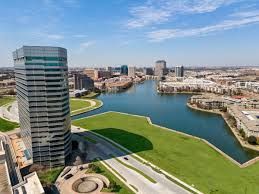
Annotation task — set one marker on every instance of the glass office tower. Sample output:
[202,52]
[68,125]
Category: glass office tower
[41,75]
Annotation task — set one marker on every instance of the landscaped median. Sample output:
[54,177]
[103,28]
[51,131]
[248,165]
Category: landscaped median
[189,159]
[79,106]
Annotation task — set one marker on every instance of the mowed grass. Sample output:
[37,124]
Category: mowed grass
[78,104]
[189,159]
[5,100]
[7,125]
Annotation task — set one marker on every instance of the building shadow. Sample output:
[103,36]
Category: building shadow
[106,150]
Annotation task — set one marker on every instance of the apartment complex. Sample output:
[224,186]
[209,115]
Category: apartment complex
[41,75]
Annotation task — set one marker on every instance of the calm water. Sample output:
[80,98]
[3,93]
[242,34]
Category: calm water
[171,111]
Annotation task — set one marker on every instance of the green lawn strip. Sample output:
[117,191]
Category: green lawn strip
[7,125]
[135,169]
[6,100]
[87,109]
[115,171]
[90,139]
[91,95]
[191,160]
[49,176]
[76,104]
[116,185]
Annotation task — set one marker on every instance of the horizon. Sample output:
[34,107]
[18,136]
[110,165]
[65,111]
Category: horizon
[189,33]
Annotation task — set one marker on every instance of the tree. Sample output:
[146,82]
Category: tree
[252,140]
[36,167]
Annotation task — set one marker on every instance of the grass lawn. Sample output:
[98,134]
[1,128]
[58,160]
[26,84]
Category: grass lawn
[91,95]
[79,106]
[189,159]
[118,186]
[7,125]
[5,100]
[49,176]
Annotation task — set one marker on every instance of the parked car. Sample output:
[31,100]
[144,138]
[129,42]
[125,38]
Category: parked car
[125,158]
[68,176]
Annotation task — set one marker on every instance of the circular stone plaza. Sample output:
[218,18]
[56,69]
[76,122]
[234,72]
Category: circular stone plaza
[81,182]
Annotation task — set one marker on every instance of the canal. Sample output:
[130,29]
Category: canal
[171,111]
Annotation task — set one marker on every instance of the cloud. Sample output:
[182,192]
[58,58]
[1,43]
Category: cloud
[86,44]
[242,19]
[54,36]
[79,36]
[159,11]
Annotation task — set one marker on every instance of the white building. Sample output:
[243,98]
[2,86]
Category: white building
[132,72]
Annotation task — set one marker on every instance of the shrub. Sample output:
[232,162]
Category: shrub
[252,140]
[243,134]
[224,109]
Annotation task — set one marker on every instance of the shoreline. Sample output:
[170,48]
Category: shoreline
[233,129]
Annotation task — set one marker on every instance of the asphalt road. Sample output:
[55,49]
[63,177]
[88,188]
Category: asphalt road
[103,149]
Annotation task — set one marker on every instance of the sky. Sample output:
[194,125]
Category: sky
[135,32]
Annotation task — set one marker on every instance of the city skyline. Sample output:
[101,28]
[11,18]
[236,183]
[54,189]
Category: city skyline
[97,33]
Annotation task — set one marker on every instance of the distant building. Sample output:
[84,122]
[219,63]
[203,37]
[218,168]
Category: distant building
[90,73]
[41,75]
[148,71]
[103,74]
[160,68]
[83,81]
[109,69]
[124,70]
[179,71]
[132,71]
[96,74]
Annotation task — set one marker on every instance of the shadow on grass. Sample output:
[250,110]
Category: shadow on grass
[133,142]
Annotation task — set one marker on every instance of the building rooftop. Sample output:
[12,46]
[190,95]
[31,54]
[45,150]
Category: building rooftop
[249,117]
[22,155]
[30,185]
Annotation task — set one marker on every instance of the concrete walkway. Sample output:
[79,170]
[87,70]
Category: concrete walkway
[12,113]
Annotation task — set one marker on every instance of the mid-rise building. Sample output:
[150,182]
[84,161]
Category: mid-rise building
[90,73]
[179,71]
[83,81]
[148,71]
[124,70]
[96,74]
[132,71]
[41,75]
[160,68]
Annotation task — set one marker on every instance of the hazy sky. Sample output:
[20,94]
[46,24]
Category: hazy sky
[135,32]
